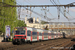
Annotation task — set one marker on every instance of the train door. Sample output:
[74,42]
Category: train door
[52,35]
[45,35]
[28,35]
[40,36]
[49,35]
[34,36]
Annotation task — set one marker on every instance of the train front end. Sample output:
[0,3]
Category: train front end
[19,35]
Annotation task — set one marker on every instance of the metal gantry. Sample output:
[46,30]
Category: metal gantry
[38,5]
[8,5]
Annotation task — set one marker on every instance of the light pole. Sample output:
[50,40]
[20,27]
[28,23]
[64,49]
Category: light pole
[40,23]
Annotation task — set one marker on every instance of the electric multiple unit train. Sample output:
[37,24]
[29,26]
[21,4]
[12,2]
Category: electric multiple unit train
[27,34]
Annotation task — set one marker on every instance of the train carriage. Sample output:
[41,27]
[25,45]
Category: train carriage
[45,34]
[27,34]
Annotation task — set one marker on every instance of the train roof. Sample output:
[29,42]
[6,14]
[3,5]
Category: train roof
[37,28]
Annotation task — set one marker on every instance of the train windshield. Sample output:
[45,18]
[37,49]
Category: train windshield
[20,31]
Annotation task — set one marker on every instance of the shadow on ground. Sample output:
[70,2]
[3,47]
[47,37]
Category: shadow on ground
[73,39]
[74,44]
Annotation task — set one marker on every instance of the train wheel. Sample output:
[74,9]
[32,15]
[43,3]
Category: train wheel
[30,42]
[13,43]
[40,40]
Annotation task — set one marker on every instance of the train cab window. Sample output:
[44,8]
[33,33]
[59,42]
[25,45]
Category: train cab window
[20,31]
[28,32]
[17,32]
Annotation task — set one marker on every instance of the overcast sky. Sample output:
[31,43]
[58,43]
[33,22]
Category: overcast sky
[51,12]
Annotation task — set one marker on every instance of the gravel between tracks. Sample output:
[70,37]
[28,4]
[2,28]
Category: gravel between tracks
[43,45]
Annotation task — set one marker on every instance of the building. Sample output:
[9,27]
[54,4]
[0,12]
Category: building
[67,27]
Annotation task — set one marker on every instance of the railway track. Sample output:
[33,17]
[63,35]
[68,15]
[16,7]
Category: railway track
[39,45]
[56,44]
[52,45]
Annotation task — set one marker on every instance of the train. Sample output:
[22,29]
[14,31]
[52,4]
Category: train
[28,34]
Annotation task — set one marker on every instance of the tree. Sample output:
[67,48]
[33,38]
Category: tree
[21,23]
[7,15]
[43,22]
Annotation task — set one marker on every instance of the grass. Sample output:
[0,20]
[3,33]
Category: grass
[10,40]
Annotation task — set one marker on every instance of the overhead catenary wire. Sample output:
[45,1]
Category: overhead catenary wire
[66,11]
[37,13]
[27,2]
[60,10]
[49,12]
[31,12]
[30,2]
[63,8]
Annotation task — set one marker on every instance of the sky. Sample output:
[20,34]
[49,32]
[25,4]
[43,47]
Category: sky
[51,12]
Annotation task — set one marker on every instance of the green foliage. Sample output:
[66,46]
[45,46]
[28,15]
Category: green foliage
[43,22]
[10,40]
[21,24]
[7,16]
[0,0]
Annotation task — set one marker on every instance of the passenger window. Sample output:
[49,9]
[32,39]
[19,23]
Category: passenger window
[34,33]
[45,33]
